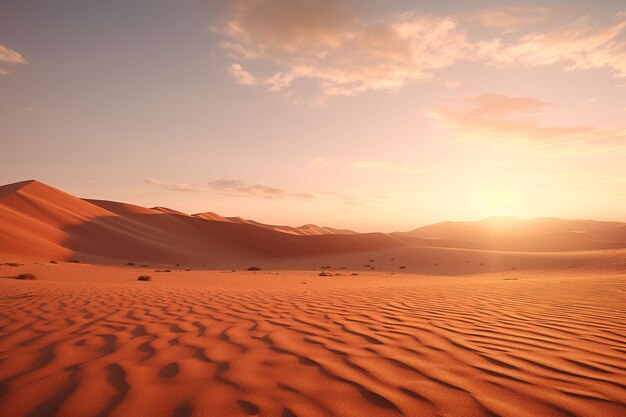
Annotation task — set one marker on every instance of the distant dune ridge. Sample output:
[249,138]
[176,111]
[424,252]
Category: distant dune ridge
[41,221]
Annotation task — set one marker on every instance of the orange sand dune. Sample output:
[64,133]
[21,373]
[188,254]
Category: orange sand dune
[292,343]
[41,221]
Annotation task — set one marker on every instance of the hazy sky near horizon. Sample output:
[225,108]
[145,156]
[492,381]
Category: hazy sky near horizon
[371,115]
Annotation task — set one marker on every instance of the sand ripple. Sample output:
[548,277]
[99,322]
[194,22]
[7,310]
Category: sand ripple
[498,348]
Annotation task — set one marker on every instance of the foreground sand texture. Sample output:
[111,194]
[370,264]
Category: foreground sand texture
[294,344]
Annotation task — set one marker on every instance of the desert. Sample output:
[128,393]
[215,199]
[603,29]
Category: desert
[395,328]
[313,208]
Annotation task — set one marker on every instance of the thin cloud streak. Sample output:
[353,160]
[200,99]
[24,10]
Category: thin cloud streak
[175,186]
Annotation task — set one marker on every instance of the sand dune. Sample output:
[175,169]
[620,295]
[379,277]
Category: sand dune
[39,220]
[539,235]
[295,344]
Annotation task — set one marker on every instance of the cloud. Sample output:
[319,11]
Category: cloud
[238,188]
[10,56]
[580,46]
[503,119]
[511,17]
[175,186]
[286,41]
[321,161]
[388,166]
[240,75]
[343,55]
[246,189]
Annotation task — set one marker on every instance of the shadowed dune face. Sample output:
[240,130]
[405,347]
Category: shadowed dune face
[482,346]
[38,220]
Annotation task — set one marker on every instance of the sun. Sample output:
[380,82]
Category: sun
[500,201]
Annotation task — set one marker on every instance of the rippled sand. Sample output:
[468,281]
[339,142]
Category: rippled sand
[295,344]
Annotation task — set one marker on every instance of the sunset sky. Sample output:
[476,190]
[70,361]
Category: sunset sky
[371,115]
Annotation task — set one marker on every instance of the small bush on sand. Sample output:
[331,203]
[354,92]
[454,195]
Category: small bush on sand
[74,261]
[403,267]
[144,278]
[53,262]
[367,266]
[30,277]
[254,268]
[327,267]
[326,274]
[130,263]
[11,264]
[371,260]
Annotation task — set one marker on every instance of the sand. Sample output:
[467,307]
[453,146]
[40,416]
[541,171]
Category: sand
[90,340]
[493,318]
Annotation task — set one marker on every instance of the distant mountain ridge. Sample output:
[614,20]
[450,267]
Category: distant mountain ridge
[535,235]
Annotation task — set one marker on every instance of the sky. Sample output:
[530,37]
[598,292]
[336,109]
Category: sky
[369,115]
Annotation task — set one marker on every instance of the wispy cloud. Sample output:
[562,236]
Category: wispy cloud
[321,41]
[10,56]
[344,54]
[239,188]
[389,166]
[322,161]
[240,75]
[579,46]
[503,119]
[175,186]
[243,188]
[511,17]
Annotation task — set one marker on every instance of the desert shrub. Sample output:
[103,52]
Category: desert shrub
[254,268]
[354,274]
[325,274]
[53,262]
[144,278]
[11,264]
[177,265]
[187,269]
[367,266]
[27,276]
[130,263]
[74,261]
[403,267]
[371,260]
[326,267]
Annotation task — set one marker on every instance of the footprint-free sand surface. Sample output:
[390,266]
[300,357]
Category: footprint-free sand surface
[88,340]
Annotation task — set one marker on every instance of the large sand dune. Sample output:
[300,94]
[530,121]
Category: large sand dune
[40,221]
